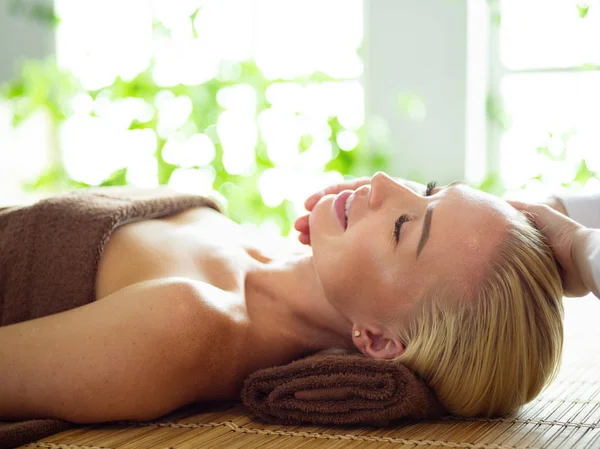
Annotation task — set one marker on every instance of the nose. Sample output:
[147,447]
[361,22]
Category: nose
[382,186]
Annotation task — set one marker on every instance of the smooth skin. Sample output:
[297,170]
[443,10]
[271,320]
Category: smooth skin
[301,223]
[572,243]
[132,349]
[374,269]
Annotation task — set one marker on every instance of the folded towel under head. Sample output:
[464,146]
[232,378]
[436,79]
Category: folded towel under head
[339,389]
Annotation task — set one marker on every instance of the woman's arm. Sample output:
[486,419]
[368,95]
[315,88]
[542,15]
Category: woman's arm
[576,248]
[584,209]
[586,252]
[136,354]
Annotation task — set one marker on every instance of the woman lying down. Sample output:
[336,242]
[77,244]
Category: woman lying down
[452,282]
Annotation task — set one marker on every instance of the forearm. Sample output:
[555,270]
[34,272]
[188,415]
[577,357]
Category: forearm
[584,209]
[587,258]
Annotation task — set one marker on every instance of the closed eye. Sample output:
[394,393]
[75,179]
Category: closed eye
[404,217]
[399,222]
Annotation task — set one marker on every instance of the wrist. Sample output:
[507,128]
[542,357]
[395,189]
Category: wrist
[585,245]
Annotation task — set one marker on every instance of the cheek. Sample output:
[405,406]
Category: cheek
[364,267]
[398,283]
[343,268]
[353,263]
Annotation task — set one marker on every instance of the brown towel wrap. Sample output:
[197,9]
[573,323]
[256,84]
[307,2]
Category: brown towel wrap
[49,254]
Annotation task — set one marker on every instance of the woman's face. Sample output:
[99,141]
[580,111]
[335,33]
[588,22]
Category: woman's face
[447,236]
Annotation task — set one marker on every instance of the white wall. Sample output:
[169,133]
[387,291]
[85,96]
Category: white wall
[421,47]
[21,37]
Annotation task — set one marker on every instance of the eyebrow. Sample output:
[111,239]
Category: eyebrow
[427,220]
[426,229]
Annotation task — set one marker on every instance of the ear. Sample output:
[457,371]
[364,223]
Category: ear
[377,343]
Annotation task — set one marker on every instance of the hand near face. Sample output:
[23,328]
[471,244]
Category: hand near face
[301,223]
[564,236]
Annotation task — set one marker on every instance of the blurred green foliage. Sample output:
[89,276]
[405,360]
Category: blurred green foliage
[583,10]
[43,85]
[499,119]
[40,11]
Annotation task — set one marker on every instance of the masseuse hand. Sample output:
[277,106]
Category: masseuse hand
[302,222]
[566,237]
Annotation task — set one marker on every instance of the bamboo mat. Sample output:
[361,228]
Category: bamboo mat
[566,415]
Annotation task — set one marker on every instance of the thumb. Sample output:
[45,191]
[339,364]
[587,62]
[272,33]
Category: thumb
[519,205]
[532,211]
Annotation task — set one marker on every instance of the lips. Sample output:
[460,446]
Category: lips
[340,205]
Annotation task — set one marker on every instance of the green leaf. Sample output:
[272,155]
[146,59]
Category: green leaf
[583,10]
[53,178]
[19,117]
[39,11]
[15,89]
[496,113]
[305,142]
[495,12]
[192,20]
[117,178]
[493,184]
[496,18]
[588,67]
[584,173]
[73,184]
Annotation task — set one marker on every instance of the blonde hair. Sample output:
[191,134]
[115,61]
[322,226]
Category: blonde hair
[490,353]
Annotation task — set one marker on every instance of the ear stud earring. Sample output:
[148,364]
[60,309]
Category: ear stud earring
[357,333]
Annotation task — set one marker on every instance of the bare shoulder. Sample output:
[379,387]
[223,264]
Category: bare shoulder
[118,358]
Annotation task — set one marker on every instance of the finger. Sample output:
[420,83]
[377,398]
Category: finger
[324,394]
[519,205]
[532,208]
[529,209]
[304,239]
[301,224]
[336,188]
[314,199]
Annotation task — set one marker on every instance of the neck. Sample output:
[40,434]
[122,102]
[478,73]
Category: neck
[289,311]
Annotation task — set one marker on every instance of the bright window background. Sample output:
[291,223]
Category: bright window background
[100,40]
[97,43]
[550,87]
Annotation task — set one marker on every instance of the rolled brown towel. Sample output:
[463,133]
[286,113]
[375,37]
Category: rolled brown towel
[328,388]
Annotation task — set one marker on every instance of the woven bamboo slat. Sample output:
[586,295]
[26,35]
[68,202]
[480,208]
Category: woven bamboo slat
[566,415]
